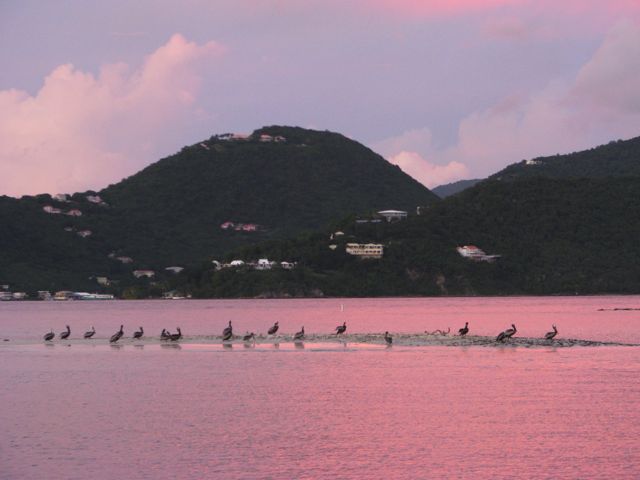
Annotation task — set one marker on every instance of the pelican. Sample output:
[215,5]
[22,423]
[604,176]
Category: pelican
[138,334]
[65,335]
[340,329]
[174,337]
[164,335]
[227,333]
[117,336]
[464,330]
[90,333]
[388,338]
[508,333]
[49,336]
[274,329]
[249,336]
[299,335]
[552,334]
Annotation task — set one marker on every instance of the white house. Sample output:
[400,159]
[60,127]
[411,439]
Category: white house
[236,263]
[287,265]
[393,215]
[476,254]
[74,212]
[174,269]
[94,198]
[52,210]
[143,273]
[125,259]
[365,250]
[61,197]
[263,264]
[84,233]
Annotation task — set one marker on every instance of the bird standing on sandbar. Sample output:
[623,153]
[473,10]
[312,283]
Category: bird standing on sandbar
[464,330]
[249,336]
[227,333]
[117,336]
[49,336]
[552,334]
[274,329]
[174,337]
[90,333]
[340,329]
[138,334]
[388,338]
[65,335]
[299,335]
[508,333]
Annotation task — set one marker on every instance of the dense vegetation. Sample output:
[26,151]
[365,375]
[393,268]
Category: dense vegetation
[170,213]
[616,159]
[444,191]
[556,236]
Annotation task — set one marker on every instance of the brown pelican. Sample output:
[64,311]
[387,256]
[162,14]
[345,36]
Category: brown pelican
[49,336]
[340,329]
[90,333]
[249,336]
[508,333]
[65,335]
[164,335]
[274,329]
[552,334]
[464,330]
[299,335]
[117,336]
[174,337]
[227,333]
[388,338]
[138,334]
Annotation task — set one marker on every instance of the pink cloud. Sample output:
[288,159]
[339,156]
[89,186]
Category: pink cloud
[82,130]
[427,173]
[600,104]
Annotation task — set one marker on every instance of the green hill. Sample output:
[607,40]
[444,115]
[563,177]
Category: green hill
[444,191]
[555,236]
[616,159]
[171,212]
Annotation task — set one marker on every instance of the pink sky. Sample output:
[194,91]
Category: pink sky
[445,89]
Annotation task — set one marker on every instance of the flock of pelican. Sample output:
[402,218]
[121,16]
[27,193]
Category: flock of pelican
[227,334]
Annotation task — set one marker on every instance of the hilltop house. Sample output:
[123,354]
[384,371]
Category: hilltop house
[61,197]
[84,233]
[74,212]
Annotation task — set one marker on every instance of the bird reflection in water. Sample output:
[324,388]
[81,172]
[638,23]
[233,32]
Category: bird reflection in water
[173,346]
[299,345]
[227,346]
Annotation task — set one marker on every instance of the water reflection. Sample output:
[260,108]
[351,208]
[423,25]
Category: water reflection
[116,346]
[227,346]
[175,346]
[299,345]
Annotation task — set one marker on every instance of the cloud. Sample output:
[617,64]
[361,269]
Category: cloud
[429,174]
[602,103]
[82,130]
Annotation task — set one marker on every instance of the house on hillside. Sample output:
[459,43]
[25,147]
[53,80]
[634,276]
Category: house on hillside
[236,263]
[125,260]
[74,212]
[61,197]
[94,198]
[365,250]
[471,252]
[143,273]
[174,269]
[393,215]
[52,210]
[227,225]
[84,233]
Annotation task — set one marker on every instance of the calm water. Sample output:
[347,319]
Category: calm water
[326,410]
